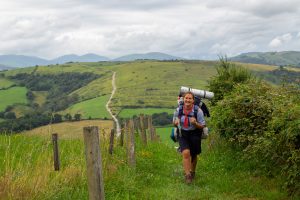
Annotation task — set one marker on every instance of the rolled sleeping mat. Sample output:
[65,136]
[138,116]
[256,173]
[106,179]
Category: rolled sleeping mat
[199,93]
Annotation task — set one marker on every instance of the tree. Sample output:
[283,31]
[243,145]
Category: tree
[57,118]
[68,117]
[77,117]
[10,115]
[228,75]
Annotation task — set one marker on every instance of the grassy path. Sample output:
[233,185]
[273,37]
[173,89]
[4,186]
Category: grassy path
[219,175]
[27,172]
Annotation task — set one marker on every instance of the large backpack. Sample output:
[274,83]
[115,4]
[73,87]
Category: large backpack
[197,103]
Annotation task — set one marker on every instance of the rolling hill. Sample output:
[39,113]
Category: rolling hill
[26,61]
[284,58]
[19,61]
[147,56]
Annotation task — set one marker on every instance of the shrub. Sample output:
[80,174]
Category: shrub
[228,74]
[264,122]
[244,114]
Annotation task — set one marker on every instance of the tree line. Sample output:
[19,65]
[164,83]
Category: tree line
[58,87]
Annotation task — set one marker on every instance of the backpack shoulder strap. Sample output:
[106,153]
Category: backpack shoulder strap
[180,110]
[196,108]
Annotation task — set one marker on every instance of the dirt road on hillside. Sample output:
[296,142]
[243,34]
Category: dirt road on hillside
[109,101]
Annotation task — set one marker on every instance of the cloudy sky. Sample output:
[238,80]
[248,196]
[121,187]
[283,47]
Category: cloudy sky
[198,29]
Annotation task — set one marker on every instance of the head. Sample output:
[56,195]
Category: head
[188,99]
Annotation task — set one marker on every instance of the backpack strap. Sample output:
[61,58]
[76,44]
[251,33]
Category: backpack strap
[195,111]
[196,108]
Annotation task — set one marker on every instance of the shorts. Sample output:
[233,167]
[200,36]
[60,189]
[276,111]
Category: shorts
[191,140]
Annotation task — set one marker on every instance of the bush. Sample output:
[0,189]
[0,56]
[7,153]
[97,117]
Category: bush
[244,114]
[264,123]
[228,74]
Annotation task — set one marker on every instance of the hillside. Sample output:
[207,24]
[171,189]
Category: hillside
[71,89]
[285,58]
[17,61]
[147,56]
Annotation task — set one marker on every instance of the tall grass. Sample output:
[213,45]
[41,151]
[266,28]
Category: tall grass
[27,172]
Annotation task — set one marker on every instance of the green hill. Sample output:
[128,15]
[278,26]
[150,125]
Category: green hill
[285,58]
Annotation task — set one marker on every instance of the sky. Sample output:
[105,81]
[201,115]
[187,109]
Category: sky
[192,29]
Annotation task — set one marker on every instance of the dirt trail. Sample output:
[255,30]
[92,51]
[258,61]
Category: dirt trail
[109,101]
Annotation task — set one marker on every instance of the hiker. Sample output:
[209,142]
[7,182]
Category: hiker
[191,125]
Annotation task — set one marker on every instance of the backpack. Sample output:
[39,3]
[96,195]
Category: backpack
[175,133]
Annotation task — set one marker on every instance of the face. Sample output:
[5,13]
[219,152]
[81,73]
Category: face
[188,100]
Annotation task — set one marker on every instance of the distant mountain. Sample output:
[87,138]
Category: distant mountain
[148,56]
[284,58]
[21,61]
[5,67]
[75,58]
[26,61]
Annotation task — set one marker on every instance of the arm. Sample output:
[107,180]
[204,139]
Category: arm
[199,123]
[175,118]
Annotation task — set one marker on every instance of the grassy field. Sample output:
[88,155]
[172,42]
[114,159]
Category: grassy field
[40,97]
[19,110]
[153,83]
[27,170]
[140,84]
[12,96]
[69,130]
[5,83]
[127,113]
[94,108]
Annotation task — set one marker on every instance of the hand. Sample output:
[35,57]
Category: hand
[176,122]
[193,120]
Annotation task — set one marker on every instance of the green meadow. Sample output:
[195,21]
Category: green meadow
[127,113]
[40,97]
[5,83]
[140,84]
[94,108]
[14,95]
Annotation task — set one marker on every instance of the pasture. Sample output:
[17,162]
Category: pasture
[127,113]
[14,95]
[69,130]
[5,83]
[94,108]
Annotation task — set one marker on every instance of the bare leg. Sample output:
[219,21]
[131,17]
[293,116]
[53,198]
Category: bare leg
[194,163]
[186,159]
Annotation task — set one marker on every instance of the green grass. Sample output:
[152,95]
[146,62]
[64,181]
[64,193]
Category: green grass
[5,83]
[150,83]
[98,87]
[19,110]
[12,96]
[140,84]
[94,108]
[27,172]
[40,97]
[127,113]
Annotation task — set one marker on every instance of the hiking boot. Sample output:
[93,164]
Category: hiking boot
[188,179]
[192,174]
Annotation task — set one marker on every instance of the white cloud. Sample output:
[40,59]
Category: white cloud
[276,42]
[280,40]
[186,28]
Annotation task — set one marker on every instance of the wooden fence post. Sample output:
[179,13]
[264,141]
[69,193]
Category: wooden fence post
[150,128]
[111,141]
[131,144]
[122,137]
[55,152]
[143,131]
[94,163]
